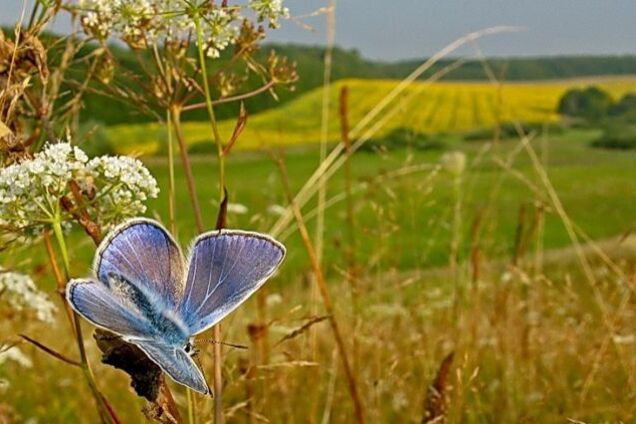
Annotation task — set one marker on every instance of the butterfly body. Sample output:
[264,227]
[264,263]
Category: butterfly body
[162,322]
[145,292]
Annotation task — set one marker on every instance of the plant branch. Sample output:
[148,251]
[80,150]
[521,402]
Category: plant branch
[230,99]
[50,351]
[175,112]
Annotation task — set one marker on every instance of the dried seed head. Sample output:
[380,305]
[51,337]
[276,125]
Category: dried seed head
[454,163]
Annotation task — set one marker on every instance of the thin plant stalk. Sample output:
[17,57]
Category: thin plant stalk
[319,237]
[59,279]
[175,113]
[351,245]
[172,217]
[175,119]
[344,134]
[456,241]
[210,108]
[326,297]
[216,330]
[324,127]
[172,212]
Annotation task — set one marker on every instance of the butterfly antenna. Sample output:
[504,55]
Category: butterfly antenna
[237,346]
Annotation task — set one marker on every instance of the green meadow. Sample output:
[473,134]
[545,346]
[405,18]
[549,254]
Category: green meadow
[404,205]
[591,183]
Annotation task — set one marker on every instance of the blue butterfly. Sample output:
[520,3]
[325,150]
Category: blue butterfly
[145,292]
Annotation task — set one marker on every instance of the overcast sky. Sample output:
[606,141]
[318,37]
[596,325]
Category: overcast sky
[401,29]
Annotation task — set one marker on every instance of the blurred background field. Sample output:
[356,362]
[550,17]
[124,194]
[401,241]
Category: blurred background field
[431,108]
[478,245]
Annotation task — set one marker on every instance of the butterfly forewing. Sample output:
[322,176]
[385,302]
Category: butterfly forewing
[96,303]
[225,268]
[142,252]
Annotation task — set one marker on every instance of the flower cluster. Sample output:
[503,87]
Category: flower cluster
[20,292]
[122,186]
[269,11]
[14,354]
[30,190]
[145,23]
[37,192]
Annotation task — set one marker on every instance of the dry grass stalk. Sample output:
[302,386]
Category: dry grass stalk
[350,248]
[50,351]
[475,248]
[302,329]
[175,113]
[324,125]
[344,135]
[326,297]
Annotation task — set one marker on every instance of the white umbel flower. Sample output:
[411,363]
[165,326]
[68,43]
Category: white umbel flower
[20,292]
[147,23]
[14,354]
[31,191]
[270,11]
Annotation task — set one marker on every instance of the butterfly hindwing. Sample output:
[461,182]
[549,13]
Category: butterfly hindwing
[225,268]
[175,362]
[95,302]
[142,252]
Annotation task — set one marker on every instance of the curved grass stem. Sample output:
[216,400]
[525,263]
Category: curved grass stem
[354,392]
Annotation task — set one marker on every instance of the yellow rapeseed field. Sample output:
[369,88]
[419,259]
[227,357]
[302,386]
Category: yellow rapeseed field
[424,107]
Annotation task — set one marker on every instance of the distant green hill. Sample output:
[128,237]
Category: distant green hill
[350,64]
[347,64]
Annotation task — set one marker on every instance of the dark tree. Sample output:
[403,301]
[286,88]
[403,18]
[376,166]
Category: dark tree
[591,104]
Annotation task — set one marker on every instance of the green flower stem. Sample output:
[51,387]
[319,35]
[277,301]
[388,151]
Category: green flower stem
[216,330]
[171,187]
[59,237]
[210,107]
[172,216]
[190,400]
[104,411]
